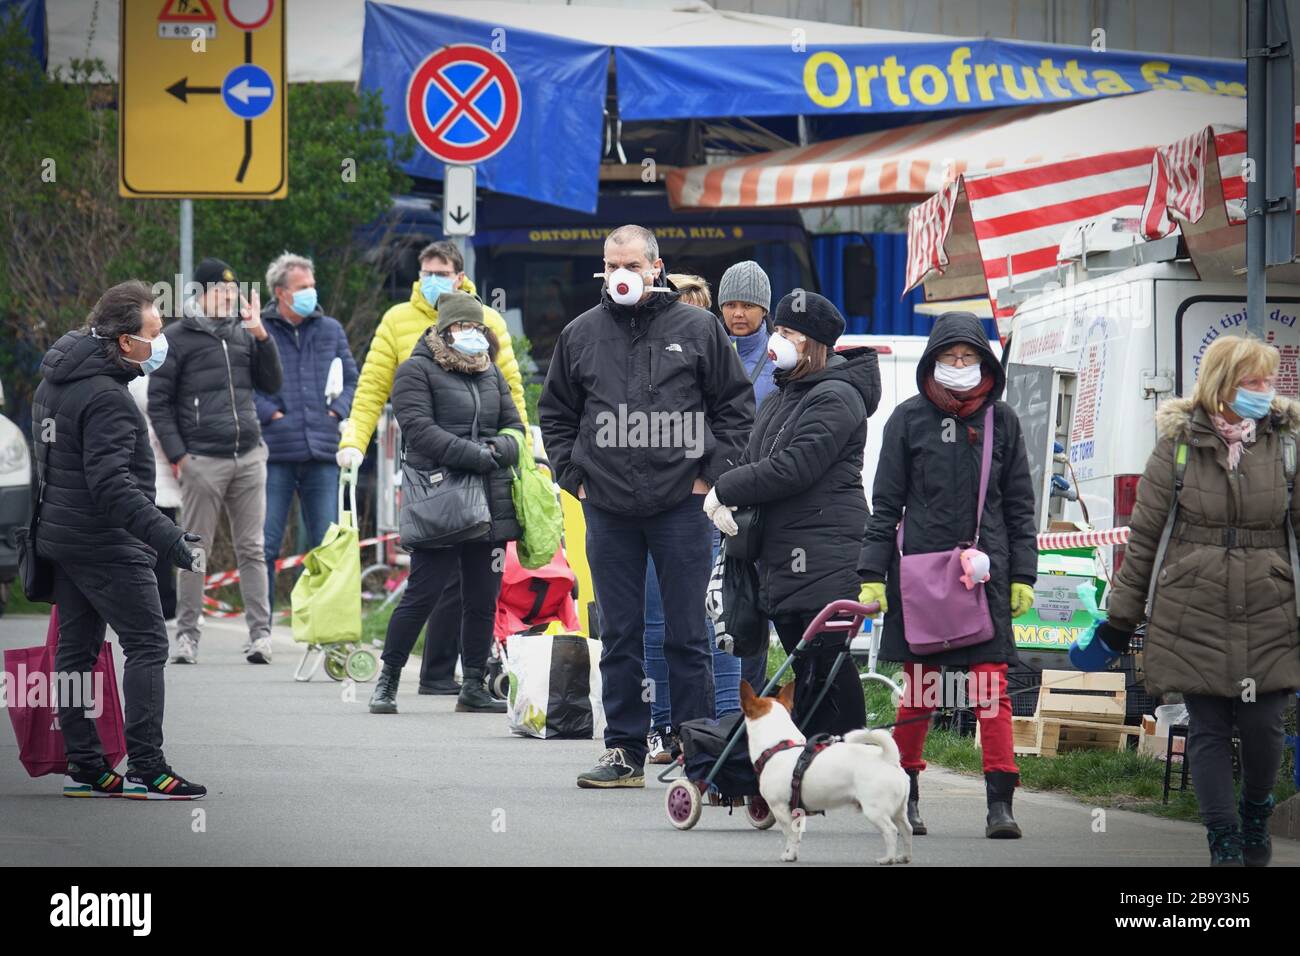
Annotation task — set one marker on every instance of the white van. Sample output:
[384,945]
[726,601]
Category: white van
[1107,349]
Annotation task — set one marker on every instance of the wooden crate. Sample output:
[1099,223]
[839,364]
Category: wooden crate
[1048,736]
[1072,695]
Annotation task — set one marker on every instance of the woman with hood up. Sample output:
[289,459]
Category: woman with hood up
[929,474]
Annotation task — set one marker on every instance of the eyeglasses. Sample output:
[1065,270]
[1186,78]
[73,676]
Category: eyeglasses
[948,358]
[425,273]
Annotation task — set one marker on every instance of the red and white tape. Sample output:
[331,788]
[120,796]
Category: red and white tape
[1061,540]
[222,578]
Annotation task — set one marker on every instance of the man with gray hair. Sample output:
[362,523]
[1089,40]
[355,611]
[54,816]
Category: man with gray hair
[301,422]
[645,406]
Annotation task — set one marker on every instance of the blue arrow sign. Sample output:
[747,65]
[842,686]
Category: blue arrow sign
[248,91]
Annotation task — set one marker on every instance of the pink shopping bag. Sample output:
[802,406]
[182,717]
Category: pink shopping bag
[30,690]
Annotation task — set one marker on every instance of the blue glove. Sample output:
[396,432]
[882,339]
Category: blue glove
[1094,649]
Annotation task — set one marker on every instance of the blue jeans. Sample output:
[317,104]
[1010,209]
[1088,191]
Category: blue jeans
[726,668]
[619,548]
[317,485]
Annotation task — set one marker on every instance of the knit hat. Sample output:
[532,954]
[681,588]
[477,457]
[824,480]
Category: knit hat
[812,314]
[213,270]
[458,307]
[746,282]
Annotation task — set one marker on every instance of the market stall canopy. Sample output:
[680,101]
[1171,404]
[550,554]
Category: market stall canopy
[1137,168]
[534,97]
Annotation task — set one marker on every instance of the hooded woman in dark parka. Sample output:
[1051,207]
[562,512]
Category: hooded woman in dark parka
[803,466]
[930,466]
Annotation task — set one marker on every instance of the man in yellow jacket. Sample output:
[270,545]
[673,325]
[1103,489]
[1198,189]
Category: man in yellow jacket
[441,270]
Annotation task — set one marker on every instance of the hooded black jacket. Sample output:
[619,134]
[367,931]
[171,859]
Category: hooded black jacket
[201,400]
[937,481]
[664,365]
[435,409]
[99,477]
[814,510]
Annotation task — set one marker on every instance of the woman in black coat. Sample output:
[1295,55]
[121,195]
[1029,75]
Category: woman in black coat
[930,466]
[803,468]
[434,399]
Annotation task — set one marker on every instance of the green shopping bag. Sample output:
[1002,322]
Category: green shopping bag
[326,599]
[536,507]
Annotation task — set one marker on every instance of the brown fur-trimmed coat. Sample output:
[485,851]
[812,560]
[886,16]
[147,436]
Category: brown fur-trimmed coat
[1223,618]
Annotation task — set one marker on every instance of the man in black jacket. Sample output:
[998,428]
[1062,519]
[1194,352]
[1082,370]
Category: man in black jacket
[202,409]
[644,407]
[98,524]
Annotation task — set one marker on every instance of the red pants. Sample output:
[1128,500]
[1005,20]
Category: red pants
[986,689]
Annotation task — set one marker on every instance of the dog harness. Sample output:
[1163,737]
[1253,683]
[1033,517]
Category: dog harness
[815,745]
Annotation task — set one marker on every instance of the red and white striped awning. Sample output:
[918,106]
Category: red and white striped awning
[985,230]
[914,162]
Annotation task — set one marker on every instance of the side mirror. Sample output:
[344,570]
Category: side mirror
[858,266]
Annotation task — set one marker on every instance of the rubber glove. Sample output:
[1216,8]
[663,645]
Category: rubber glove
[872,592]
[719,513]
[1022,598]
[349,457]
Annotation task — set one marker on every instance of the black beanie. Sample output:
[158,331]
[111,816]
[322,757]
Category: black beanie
[812,314]
[213,270]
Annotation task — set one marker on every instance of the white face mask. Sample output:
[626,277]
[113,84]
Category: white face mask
[958,379]
[782,352]
[625,286]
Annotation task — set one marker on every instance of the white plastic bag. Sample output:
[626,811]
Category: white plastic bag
[554,686]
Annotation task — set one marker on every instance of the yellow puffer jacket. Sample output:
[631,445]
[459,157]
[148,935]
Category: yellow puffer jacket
[399,330]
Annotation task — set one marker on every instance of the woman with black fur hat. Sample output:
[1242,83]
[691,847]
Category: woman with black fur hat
[803,468]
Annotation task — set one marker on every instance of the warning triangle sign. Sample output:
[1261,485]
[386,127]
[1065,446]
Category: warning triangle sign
[187,11]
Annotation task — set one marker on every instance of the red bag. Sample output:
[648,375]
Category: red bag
[531,598]
[29,675]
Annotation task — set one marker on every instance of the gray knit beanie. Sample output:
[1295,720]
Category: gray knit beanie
[746,282]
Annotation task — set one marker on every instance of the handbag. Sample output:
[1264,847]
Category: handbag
[36,722]
[443,507]
[939,613]
[742,619]
[747,542]
[35,573]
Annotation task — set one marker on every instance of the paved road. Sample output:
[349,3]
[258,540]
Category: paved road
[298,775]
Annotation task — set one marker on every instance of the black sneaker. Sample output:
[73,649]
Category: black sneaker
[103,782]
[160,784]
[659,746]
[612,770]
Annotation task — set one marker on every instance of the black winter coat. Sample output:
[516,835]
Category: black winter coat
[201,400]
[937,481]
[642,400]
[99,478]
[434,405]
[814,510]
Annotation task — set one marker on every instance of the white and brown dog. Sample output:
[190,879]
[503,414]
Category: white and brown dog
[860,771]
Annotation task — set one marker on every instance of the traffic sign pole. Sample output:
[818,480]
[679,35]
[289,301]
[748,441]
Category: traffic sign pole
[187,246]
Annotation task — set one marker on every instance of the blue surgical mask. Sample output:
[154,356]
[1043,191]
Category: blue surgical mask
[469,342]
[1252,404]
[433,286]
[157,356]
[304,302]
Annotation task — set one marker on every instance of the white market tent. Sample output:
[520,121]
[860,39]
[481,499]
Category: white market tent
[324,36]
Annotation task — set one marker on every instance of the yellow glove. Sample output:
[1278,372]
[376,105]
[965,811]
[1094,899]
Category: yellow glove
[871,593]
[1022,598]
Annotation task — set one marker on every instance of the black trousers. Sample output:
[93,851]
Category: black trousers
[442,635]
[124,596]
[165,572]
[479,564]
[843,708]
[1209,750]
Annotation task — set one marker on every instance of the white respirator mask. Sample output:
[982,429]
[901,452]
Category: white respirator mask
[782,352]
[626,287]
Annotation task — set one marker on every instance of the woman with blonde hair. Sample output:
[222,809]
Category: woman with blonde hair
[1211,566]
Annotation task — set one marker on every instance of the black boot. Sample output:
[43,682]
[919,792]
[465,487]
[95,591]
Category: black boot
[384,699]
[1225,846]
[474,697]
[441,688]
[1256,844]
[913,797]
[999,786]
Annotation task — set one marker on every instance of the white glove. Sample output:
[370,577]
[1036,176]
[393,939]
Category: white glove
[719,513]
[349,457]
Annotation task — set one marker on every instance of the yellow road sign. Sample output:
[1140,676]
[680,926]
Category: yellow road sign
[201,100]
